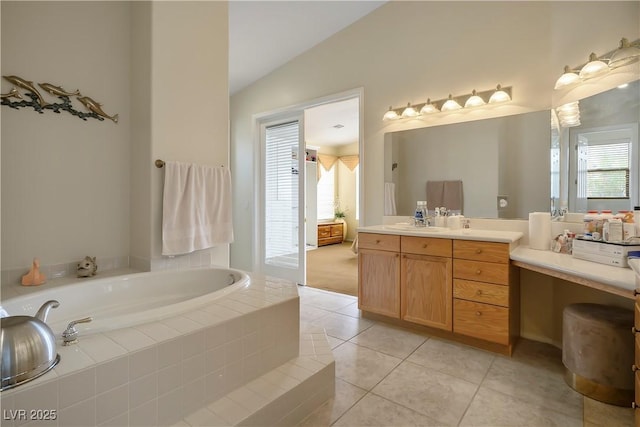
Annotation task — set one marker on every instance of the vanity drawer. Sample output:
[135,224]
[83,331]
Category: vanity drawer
[481,271]
[381,242]
[425,246]
[481,292]
[481,251]
[485,321]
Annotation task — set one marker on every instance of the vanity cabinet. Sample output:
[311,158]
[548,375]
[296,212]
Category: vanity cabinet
[426,281]
[486,298]
[379,274]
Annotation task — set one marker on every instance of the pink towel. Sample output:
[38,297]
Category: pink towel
[196,211]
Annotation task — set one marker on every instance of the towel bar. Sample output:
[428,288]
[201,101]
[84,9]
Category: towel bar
[160,164]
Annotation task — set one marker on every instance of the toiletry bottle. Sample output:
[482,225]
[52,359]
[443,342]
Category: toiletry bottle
[420,216]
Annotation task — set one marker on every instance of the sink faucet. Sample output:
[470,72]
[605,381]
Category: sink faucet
[70,335]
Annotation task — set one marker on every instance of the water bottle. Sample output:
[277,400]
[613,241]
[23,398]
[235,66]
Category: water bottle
[420,216]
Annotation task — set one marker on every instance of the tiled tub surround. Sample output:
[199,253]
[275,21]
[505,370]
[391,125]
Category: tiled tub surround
[158,373]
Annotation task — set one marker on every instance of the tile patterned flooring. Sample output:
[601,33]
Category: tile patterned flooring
[388,376]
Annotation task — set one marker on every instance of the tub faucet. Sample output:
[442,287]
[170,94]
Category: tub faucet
[70,335]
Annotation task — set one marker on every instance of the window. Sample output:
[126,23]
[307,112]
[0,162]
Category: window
[608,170]
[326,193]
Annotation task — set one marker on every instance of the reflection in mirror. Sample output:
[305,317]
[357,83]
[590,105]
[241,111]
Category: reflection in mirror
[503,164]
[600,166]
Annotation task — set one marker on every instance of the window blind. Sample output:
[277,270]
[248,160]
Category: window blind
[608,170]
[281,194]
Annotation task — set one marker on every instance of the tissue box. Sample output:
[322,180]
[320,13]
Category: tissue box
[603,252]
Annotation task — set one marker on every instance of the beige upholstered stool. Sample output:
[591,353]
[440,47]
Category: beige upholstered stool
[598,351]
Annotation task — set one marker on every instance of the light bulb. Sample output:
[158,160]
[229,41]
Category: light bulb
[567,79]
[450,105]
[625,55]
[429,108]
[499,96]
[390,115]
[474,100]
[593,68]
[409,111]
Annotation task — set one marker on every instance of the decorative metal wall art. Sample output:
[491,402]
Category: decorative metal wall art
[38,103]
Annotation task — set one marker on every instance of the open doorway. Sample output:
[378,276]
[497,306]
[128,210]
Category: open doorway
[332,135]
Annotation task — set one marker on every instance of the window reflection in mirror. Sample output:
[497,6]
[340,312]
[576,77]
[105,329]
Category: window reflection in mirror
[601,167]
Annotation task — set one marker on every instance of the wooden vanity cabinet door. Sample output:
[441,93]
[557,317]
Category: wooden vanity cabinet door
[379,281]
[426,290]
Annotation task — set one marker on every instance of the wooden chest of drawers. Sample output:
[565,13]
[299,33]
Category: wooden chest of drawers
[329,233]
[486,300]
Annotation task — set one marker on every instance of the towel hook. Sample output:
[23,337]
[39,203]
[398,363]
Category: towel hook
[159,163]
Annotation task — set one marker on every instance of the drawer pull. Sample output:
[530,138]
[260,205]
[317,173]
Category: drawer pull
[478,251]
[636,292]
[634,330]
[478,271]
[378,242]
[634,367]
[478,313]
[479,292]
[634,405]
[424,246]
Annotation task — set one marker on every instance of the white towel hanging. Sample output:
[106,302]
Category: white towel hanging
[196,212]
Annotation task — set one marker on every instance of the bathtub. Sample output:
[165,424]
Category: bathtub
[162,345]
[124,301]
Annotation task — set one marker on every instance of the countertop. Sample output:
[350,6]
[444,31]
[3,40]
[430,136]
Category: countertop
[616,277]
[445,233]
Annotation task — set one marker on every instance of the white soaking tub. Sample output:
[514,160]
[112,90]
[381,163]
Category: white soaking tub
[123,301]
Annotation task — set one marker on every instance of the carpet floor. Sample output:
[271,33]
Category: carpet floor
[333,268]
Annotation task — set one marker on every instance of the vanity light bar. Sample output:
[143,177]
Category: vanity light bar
[452,103]
[626,53]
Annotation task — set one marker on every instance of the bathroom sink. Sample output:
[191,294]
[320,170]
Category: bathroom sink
[410,227]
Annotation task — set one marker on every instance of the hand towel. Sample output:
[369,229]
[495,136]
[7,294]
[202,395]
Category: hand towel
[445,193]
[389,198]
[196,212]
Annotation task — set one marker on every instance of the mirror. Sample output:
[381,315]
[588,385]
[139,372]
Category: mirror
[503,164]
[607,119]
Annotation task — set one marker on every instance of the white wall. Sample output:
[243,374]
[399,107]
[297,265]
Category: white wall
[408,51]
[65,181]
[72,188]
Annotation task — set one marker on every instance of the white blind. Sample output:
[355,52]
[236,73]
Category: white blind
[281,194]
[608,170]
[326,193]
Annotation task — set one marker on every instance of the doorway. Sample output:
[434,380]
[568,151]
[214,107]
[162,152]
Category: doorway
[332,137]
[283,252]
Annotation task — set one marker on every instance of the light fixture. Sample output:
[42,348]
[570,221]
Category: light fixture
[450,105]
[429,108]
[474,100]
[568,78]
[500,95]
[626,54]
[390,115]
[569,114]
[593,68]
[409,111]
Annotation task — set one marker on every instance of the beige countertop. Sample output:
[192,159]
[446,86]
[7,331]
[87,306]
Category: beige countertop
[445,233]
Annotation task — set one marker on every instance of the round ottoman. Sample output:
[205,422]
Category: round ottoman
[598,351]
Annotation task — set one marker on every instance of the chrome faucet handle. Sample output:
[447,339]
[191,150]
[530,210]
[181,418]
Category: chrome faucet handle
[70,335]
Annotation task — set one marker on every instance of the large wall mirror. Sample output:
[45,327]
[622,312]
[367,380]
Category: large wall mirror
[503,164]
[595,164]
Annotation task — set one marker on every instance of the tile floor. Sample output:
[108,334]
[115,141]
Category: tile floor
[388,376]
